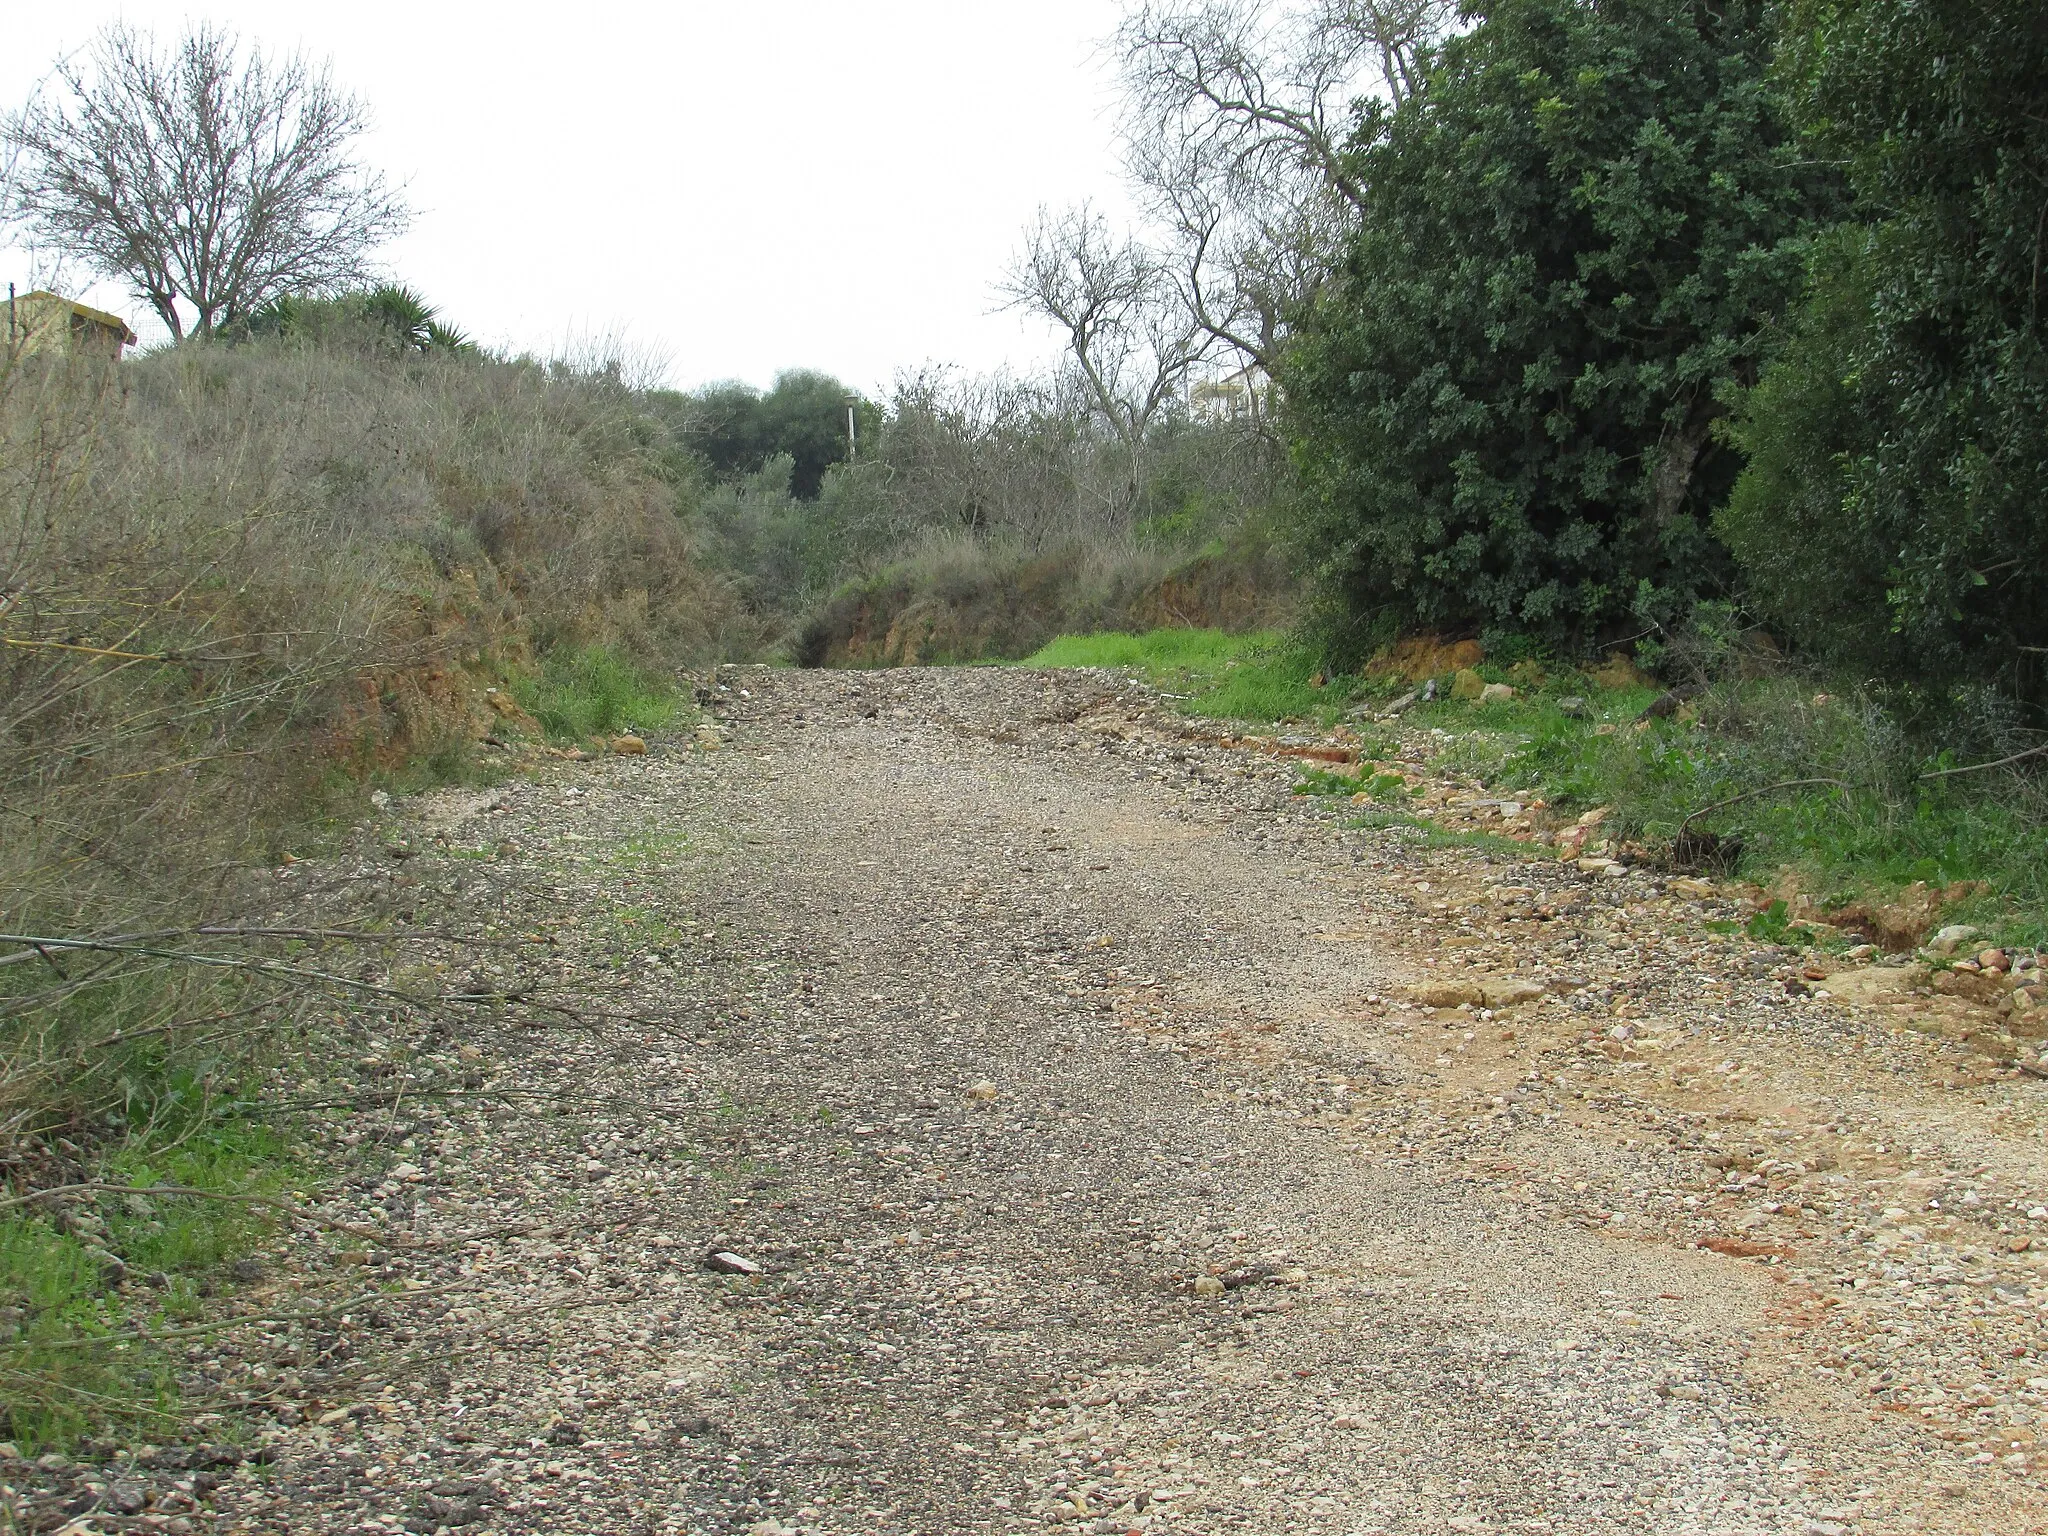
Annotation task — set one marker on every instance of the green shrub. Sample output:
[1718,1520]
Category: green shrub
[1502,406]
[1897,495]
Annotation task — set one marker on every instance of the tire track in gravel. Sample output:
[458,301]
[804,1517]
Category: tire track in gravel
[1091,1184]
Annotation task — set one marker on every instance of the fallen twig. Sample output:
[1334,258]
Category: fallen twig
[389,1097]
[1939,773]
[177,1024]
[154,1336]
[1750,794]
[131,943]
[125,1404]
[2017,757]
[181,658]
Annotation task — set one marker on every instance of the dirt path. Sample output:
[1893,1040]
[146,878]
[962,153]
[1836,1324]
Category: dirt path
[1056,1073]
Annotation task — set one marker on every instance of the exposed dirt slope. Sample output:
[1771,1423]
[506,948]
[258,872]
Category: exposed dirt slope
[1064,1079]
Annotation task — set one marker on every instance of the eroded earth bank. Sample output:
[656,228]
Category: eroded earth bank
[1063,1076]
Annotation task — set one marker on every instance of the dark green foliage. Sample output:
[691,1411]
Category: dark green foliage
[1502,407]
[1897,500]
[391,317]
[803,416]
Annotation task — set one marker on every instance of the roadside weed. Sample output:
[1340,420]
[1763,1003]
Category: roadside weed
[585,691]
[1262,678]
[81,1275]
[1566,739]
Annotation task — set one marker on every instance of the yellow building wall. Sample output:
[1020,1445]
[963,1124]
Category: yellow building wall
[42,321]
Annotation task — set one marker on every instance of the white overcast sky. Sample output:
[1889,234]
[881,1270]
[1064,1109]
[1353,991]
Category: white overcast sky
[742,187]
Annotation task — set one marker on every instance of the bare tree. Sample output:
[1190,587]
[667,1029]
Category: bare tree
[1128,339]
[1242,252]
[208,179]
[1242,90]
[1236,117]
[998,456]
[1390,33]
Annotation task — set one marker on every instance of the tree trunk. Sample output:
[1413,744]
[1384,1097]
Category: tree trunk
[1681,456]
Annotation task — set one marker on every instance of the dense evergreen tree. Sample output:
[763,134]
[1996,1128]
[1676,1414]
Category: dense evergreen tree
[803,416]
[1576,234]
[1896,504]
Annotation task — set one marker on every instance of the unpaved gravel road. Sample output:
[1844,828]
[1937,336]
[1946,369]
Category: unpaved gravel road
[1054,1069]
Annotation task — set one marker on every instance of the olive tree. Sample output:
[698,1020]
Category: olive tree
[210,178]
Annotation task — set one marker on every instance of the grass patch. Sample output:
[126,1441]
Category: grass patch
[79,1278]
[137,1072]
[1376,786]
[650,850]
[454,763]
[585,691]
[1179,652]
[1883,827]
[1770,924]
[1429,835]
[1261,678]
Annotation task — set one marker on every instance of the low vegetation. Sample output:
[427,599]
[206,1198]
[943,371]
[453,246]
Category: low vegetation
[980,518]
[583,694]
[242,585]
[967,597]
[1610,335]
[1770,777]
[1264,677]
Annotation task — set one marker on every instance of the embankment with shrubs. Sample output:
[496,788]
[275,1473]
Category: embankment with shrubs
[234,572]
[239,587]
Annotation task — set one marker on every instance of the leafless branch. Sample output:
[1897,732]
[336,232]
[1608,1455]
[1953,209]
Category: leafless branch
[2003,762]
[1751,794]
[1130,343]
[1237,116]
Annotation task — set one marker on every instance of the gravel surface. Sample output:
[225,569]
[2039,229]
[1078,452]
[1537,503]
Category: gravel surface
[1058,1095]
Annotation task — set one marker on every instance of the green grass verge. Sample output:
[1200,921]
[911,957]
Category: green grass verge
[1259,679]
[1885,829]
[136,1074]
[70,1355]
[1429,835]
[585,691]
